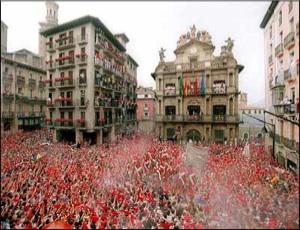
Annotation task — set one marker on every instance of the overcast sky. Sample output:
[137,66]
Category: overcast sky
[151,25]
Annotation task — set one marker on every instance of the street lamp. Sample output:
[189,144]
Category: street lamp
[264,130]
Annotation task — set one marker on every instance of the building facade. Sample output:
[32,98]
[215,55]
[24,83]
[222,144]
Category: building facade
[281,42]
[146,109]
[197,93]
[250,128]
[23,96]
[91,82]
[3,37]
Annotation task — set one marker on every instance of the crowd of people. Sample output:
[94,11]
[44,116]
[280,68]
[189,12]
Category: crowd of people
[141,182]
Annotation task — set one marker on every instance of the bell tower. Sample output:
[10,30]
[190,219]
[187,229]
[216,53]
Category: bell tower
[51,21]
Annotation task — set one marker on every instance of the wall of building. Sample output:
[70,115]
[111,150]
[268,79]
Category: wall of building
[283,64]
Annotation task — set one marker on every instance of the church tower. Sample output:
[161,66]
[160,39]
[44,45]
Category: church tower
[51,21]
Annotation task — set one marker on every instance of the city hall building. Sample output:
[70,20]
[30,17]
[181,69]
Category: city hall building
[197,93]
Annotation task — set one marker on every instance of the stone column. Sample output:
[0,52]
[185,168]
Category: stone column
[99,137]
[78,136]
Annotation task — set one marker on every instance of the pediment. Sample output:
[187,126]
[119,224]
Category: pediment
[196,43]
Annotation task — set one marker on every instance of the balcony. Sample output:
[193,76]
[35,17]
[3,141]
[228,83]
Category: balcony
[49,121]
[50,65]
[289,40]
[288,76]
[65,43]
[7,78]
[7,98]
[279,50]
[82,39]
[270,60]
[170,93]
[193,118]
[218,118]
[291,144]
[31,83]
[50,104]
[98,62]
[64,122]
[80,123]
[64,82]
[68,62]
[7,115]
[20,80]
[169,118]
[81,59]
[50,47]
[42,84]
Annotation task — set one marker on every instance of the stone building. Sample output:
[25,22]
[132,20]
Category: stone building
[281,44]
[146,109]
[23,98]
[197,93]
[3,37]
[91,82]
[250,128]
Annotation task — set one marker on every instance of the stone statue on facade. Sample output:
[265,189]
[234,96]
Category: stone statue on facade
[205,36]
[188,35]
[162,54]
[229,42]
[198,35]
[193,32]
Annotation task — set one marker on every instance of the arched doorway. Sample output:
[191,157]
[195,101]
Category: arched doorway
[193,135]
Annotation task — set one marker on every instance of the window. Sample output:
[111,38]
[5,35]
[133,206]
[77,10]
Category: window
[82,115]
[281,37]
[82,97]
[292,25]
[270,32]
[82,33]
[146,114]
[146,105]
[20,91]
[280,17]
[70,37]
[290,6]
[6,70]
[293,95]
[146,95]
[82,76]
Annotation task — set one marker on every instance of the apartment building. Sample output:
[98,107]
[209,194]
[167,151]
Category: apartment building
[23,96]
[197,93]
[146,109]
[91,82]
[281,42]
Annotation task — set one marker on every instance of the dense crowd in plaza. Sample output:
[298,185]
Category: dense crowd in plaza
[141,183]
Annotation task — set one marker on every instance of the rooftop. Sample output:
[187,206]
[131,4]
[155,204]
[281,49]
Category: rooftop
[268,14]
[83,20]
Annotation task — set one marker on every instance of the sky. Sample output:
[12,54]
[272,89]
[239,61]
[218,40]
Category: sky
[152,25]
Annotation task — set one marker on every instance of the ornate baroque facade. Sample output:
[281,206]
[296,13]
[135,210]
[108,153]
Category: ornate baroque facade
[197,93]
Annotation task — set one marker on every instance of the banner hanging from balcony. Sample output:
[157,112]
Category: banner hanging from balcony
[202,86]
[196,88]
[186,87]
